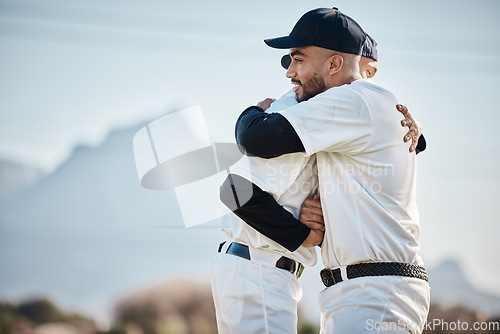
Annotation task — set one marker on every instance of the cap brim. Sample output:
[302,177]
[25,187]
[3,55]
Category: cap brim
[285,42]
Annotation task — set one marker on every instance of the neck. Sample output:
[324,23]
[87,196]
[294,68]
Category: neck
[348,72]
[344,78]
[352,77]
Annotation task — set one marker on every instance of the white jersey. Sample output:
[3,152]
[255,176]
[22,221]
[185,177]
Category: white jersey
[290,179]
[366,174]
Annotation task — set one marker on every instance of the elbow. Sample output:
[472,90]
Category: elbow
[235,192]
[250,131]
[256,143]
[422,144]
[246,144]
[226,194]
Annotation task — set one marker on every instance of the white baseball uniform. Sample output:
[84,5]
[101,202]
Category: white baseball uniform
[254,296]
[367,189]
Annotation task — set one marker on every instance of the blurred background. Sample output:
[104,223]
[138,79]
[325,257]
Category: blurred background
[83,247]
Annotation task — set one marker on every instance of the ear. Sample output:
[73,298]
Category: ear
[371,72]
[370,68]
[336,62]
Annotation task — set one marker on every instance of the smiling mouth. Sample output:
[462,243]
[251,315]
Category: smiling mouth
[296,86]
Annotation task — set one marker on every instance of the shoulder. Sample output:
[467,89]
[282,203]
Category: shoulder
[346,100]
[366,95]
[366,87]
[345,95]
[285,101]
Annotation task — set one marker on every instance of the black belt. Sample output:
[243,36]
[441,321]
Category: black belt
[283,262]
[333,276]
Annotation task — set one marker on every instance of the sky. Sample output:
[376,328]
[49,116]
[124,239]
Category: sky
[72,71]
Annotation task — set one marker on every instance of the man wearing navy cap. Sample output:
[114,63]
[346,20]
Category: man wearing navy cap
[254,277]
[373,274]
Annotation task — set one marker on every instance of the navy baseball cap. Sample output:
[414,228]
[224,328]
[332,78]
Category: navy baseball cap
[370,48]
[286,60]
[324,27]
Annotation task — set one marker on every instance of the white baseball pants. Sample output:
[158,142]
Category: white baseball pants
[382,304]
[253,296]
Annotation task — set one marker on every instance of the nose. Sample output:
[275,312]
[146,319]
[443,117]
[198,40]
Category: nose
[290,72]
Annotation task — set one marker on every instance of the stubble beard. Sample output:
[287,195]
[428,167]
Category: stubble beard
[311,88]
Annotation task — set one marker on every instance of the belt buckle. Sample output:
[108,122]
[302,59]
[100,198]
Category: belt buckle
[328,277]
[333,276]
[300,270]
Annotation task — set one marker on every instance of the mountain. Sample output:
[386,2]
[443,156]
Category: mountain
[87,233]
[16,177]
[450,287]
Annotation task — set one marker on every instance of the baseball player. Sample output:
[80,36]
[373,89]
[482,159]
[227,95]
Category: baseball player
[254,277]
[373,274]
